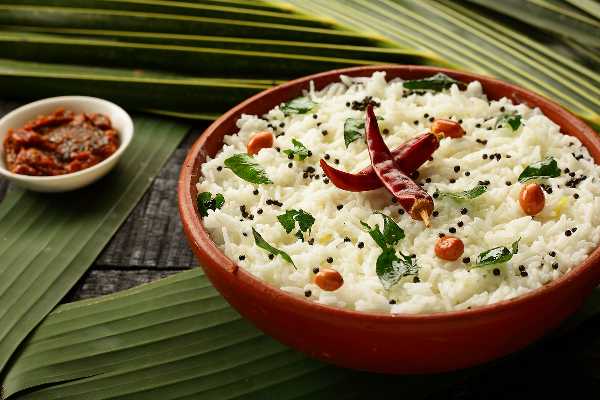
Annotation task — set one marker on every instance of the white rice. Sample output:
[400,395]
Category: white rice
[494,219]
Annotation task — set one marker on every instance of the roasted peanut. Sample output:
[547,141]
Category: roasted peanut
[449,248]
[258,141]
[532,199]
[448,128]
[329,279]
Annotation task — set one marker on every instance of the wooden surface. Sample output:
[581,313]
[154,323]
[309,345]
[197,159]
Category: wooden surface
[150,244]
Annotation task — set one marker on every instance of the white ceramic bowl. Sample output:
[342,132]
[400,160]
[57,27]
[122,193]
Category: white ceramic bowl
[121,121]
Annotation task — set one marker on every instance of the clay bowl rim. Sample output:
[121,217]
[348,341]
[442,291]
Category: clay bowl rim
[211,256]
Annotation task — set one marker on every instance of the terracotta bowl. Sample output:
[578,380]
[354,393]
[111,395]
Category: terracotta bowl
[375,341]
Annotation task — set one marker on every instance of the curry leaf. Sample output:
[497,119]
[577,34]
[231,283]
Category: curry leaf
[465,195]
[392,233]
[376,234]
[299,105]
[390,268]
[497,255]
[206,202]
[262,243]
[298,150]
[515,246]
[305,220]
[354,128]
[436,83]
[547,168]
[246,168]
[288,221]
[513,120]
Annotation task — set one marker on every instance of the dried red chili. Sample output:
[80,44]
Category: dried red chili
[414,199]
[409,156]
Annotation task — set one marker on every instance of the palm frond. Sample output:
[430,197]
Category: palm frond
[552,16]
[471,41]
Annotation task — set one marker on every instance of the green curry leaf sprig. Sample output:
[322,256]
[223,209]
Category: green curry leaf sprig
[299,150]
[497,255]
[436,83]
[299,105]
[514,121]
[354,129]
[465,195]
[547,168]
[292,217]
[263,244]
[247,168]
[391,266]
[206,202]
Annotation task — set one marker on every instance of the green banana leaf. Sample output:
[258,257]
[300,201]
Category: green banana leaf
[552,16]
[50,240]
[177,338]
[470,41]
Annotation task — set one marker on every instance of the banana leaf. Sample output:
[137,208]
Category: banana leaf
[552,16]
[260,61]
[470,41]
[50,240]
[177,338]
[87,18]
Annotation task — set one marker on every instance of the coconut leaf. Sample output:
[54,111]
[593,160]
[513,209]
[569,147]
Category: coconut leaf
[50,240]
[256,61]
[589,6]
[87,18]
[550,16]
[177,95]
[196,9]
[576,51]
[329,50]
[473,42]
